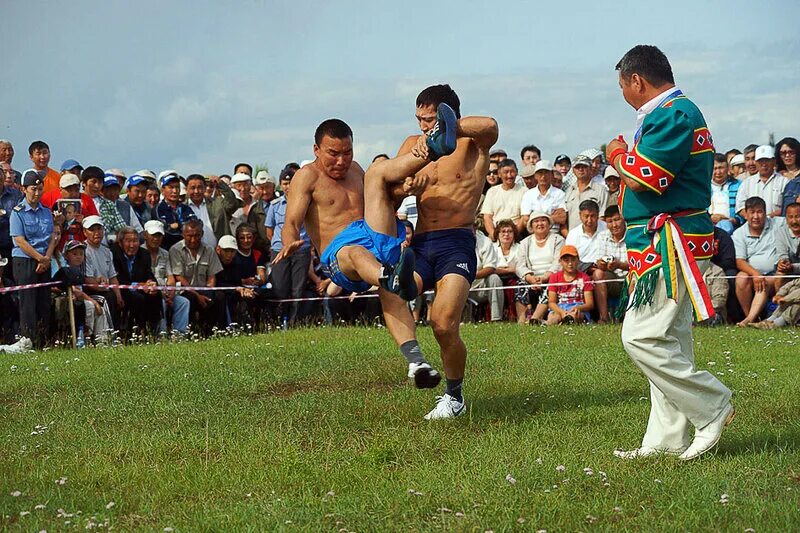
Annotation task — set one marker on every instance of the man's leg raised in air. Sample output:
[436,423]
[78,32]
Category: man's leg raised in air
[451,296]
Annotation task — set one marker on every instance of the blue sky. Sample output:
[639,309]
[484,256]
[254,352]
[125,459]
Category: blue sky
[201,85]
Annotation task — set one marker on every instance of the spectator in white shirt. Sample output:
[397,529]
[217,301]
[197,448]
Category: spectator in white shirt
[612,265]
[587,236]
[503,201]
[537,259]
[486,278]
[408,210]
[766,183]
[545,198]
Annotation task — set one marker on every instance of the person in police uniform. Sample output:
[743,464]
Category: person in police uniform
[35,237]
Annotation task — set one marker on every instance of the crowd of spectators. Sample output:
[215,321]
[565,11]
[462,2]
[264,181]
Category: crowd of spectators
[136,251]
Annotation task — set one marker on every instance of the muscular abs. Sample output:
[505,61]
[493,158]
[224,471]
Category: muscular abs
[334,205]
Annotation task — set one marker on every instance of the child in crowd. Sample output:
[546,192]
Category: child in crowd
[570,294]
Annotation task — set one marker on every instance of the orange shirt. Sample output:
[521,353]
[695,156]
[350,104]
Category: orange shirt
[52,180]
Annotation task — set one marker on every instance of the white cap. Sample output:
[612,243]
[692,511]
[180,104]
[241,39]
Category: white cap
[183,189]
[765,151]
[153,227]
[3,261]
[228,242]
[68,180]
[92,220]
[542,164]
[591,153]
[117,173]
[145,174]
[738,159]
[610,171]
[262,178]
[306,162]
[240,178]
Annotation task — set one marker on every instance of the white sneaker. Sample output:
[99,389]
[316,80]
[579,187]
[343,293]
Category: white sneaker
[446,407]
[424,375]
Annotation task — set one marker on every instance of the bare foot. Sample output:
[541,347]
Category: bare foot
[743,323]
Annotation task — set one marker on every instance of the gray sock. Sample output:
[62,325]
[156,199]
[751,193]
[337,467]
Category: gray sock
[412,352]
[779,321]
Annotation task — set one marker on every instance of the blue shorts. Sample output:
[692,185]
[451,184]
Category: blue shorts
[385,248]
[569,307]
[442,252]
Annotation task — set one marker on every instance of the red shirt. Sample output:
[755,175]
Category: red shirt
[572,293]
[75,230]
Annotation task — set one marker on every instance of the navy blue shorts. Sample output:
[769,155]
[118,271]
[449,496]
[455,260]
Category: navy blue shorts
[442,252]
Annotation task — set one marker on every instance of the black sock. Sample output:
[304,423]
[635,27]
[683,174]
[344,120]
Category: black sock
[453,388]
[412,352]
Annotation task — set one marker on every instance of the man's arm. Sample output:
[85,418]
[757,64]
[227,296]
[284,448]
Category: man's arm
[230,203]
[488,223]
[296,208]
[482,130]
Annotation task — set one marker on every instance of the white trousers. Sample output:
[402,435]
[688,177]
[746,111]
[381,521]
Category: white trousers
[658,338]
[495,298]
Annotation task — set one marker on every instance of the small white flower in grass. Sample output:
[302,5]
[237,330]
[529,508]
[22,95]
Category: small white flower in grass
[39,507]
[588,471]
[561,468]
[16,494]
[520,520]
[749,530]
[541,531]
[617,509]
[658,480]
[459,514]
[61,481]
[168,530]
[510,479]
[109,505]
[724,499]
[444,510]
[538,460]
[24,513]
[248,495]
[591,519]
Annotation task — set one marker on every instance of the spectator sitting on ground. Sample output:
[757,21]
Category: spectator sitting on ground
[766,183]
[788,245]
[723,196]
[720,274]
[537,260]
[612,265]
[172,304]
[506,248]
[545,198]
[95,314]
[756,257]
[236,301]
[586,236]
[569,296]
[585,188]
[196,265]
[134,267]
[788,311]
[612,181]
[487,278]
[100,269]
[503,201]
[216,213]
[170,211]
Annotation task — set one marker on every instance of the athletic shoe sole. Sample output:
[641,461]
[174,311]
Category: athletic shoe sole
[426,378]
[405,275]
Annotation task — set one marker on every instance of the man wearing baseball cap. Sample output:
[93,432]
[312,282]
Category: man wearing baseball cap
[243,185]
[170,211]
[585,188]
[35,236]
[71,166]
[173,306]
[60,200]
[265,188]
[544,198]
[135,199]
[766,183]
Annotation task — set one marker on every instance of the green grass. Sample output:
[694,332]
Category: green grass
[317,429]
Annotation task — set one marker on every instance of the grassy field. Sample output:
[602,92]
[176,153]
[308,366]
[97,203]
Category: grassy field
[317,429]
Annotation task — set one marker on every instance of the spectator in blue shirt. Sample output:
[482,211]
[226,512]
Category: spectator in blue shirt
[170,211]
[9,198]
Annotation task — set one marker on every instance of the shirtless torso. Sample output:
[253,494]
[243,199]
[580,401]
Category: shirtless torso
[332,203]
[454,186]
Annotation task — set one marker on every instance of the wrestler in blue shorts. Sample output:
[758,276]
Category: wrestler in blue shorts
[398,264]
[442,252]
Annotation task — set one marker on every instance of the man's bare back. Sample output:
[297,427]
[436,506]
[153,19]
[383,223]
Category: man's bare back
[454,186]
[332,203]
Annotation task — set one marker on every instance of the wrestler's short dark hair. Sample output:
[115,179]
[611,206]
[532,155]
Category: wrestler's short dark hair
[611,211]
[589,205]
[37,145]
[750,148]
[648,62]
[437,94]
[755,201]
[334,128]
[720,158]
[506,163]
[530,148]
[93,172]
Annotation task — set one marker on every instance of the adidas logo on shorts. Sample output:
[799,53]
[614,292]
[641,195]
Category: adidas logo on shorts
[463,266]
